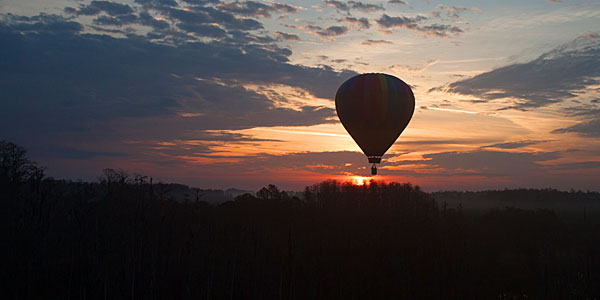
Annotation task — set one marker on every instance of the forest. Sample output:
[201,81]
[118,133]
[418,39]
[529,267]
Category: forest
[122,238]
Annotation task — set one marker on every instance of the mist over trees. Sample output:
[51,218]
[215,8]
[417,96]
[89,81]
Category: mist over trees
[122,238]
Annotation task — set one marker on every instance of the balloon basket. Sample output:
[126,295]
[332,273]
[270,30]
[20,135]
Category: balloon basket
[374,170]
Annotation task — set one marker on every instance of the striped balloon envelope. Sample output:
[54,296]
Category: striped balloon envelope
[374,109]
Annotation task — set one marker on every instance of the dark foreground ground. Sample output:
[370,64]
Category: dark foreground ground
[121,238]
[386,241]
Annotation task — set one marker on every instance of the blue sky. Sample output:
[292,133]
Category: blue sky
[240,93]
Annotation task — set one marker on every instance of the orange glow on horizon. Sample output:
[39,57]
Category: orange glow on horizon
[360,180]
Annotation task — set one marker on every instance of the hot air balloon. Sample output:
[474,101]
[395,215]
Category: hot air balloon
[374,109]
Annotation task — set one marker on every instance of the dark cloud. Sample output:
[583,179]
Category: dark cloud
[333,31]
[386,21]
[111,8]
[331,163]
[551,78]
[339,5]
[107,30]
[247,40]
[189,16]
[287,36]
[229,20]
[398,2]
[201,2]
[247,8]
[590,128]
[578,165]
[361,22]
[308,28]
[207,30]
[115,21]
[475,163]
[43,23]
[255,9]
[63,87]
[159,4]
[368,8]
[282,7]
[514,145]
[166,36]
[148,20]
[488,163]
[375,42]
[438,30]
[208,15]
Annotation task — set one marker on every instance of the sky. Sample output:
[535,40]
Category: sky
[221,94]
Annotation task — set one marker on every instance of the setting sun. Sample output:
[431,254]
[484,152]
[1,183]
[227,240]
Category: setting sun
[361,180]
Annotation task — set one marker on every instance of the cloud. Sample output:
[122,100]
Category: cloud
[213,15]
[320,162]
[203,19]
[255,9]
[339,5]
[367,8]
[440,30]
[514,145]
[553,77]
[386,21]
[283,7]
[287,36]
[247,8]
[191,16]
[398,2]
[43,23]
[555,1]
[590,128]
[409,68]
[411,23]
[208,30]
[59,86]
[579,166]
[375,42]
[333,31]
[307,28]
[115,21]
[200,2]
[111,8]
[245,39]
[488,163]
[451,11]
[361,22]
[158,4]
[148,20]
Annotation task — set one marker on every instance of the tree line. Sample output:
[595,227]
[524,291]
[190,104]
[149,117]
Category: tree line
[118,238]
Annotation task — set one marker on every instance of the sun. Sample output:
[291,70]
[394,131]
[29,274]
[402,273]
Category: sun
[360,180]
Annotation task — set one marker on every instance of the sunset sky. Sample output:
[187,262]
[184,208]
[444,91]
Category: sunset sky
[220,94]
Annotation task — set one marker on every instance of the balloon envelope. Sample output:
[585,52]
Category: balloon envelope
[374,109]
